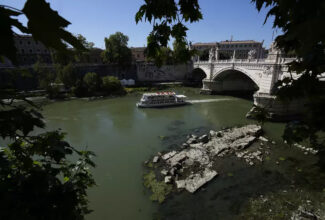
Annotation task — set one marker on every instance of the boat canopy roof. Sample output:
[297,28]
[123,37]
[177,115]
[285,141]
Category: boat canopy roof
[159,93]
[181,96]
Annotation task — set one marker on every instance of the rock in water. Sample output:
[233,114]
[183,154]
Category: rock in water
[195,181]
[263,139]
[203,139]
[168,179]
[155,159]
[168,155]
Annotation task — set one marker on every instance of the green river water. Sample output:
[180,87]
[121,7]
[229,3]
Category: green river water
[123,137]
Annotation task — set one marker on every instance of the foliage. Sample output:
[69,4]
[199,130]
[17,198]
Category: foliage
[92,81]
[112,85]
[44,24]
[67,75]
[84,56]
[45,77]
[38,181]
[300,22]
[181,52]
[63,57]
[159,188]
[260,114]
[88,45]
[167,17]
[79,90]
[14,75]
[117,50]
[74,56]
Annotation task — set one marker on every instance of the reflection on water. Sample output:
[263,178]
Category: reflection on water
[124,136]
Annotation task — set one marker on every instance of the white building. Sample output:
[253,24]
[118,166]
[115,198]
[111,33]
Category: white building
[241,48]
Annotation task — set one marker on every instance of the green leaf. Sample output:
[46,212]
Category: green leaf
[48,26]
[66,179]
[7,44]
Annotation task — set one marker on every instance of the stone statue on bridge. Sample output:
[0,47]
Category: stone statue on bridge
[252,54]
[212,54]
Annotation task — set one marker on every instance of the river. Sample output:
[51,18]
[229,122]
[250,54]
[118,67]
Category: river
[123,137]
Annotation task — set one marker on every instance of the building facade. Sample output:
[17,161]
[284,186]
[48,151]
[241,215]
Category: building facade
[240,49]
[138,54]
[30,51]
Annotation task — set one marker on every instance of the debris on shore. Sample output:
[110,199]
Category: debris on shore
[193,166]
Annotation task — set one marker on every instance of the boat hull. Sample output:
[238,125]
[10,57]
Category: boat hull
[140,105]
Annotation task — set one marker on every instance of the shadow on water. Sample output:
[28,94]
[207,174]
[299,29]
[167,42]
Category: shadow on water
[247,95]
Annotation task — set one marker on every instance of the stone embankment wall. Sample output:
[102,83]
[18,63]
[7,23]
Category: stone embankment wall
[139,72]
[148,72]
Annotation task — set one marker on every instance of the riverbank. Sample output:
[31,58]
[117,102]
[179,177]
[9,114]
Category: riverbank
[40,97]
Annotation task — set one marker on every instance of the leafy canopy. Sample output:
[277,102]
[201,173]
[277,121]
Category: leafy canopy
[303,36]
[168,18]
[117,50]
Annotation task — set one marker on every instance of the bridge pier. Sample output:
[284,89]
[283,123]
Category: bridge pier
[278,110]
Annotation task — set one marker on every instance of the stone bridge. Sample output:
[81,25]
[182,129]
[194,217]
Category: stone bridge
[258,75]
[242,75]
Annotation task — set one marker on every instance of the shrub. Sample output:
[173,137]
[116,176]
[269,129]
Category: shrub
[112,85]
[92,82]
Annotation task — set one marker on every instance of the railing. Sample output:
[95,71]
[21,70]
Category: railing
[232,61]
[251,61]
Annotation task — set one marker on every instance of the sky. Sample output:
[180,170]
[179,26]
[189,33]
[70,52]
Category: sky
[222,20]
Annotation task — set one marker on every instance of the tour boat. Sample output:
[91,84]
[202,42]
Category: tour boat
[161,99]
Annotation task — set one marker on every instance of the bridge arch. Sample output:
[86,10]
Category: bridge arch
[234,79]
[197,76]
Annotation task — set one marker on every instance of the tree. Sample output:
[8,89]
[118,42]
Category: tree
[181,52]
[167,17]
[44,75]
[117,50]
[300,22]
[88,45]
[37,181]
[92,82]
[84,56]
[67,75]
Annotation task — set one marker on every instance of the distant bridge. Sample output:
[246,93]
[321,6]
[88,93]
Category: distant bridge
[258,75]
[242,75]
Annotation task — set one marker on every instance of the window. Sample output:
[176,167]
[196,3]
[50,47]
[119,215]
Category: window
[20,42]
[22,51]
[28,42]
[30,50]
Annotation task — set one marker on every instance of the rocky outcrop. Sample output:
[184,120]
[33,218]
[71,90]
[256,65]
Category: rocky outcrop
[194,181]
[193,166]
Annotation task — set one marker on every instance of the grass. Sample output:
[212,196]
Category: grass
[160,190]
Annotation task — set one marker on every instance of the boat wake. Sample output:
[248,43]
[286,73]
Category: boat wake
[208,100]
